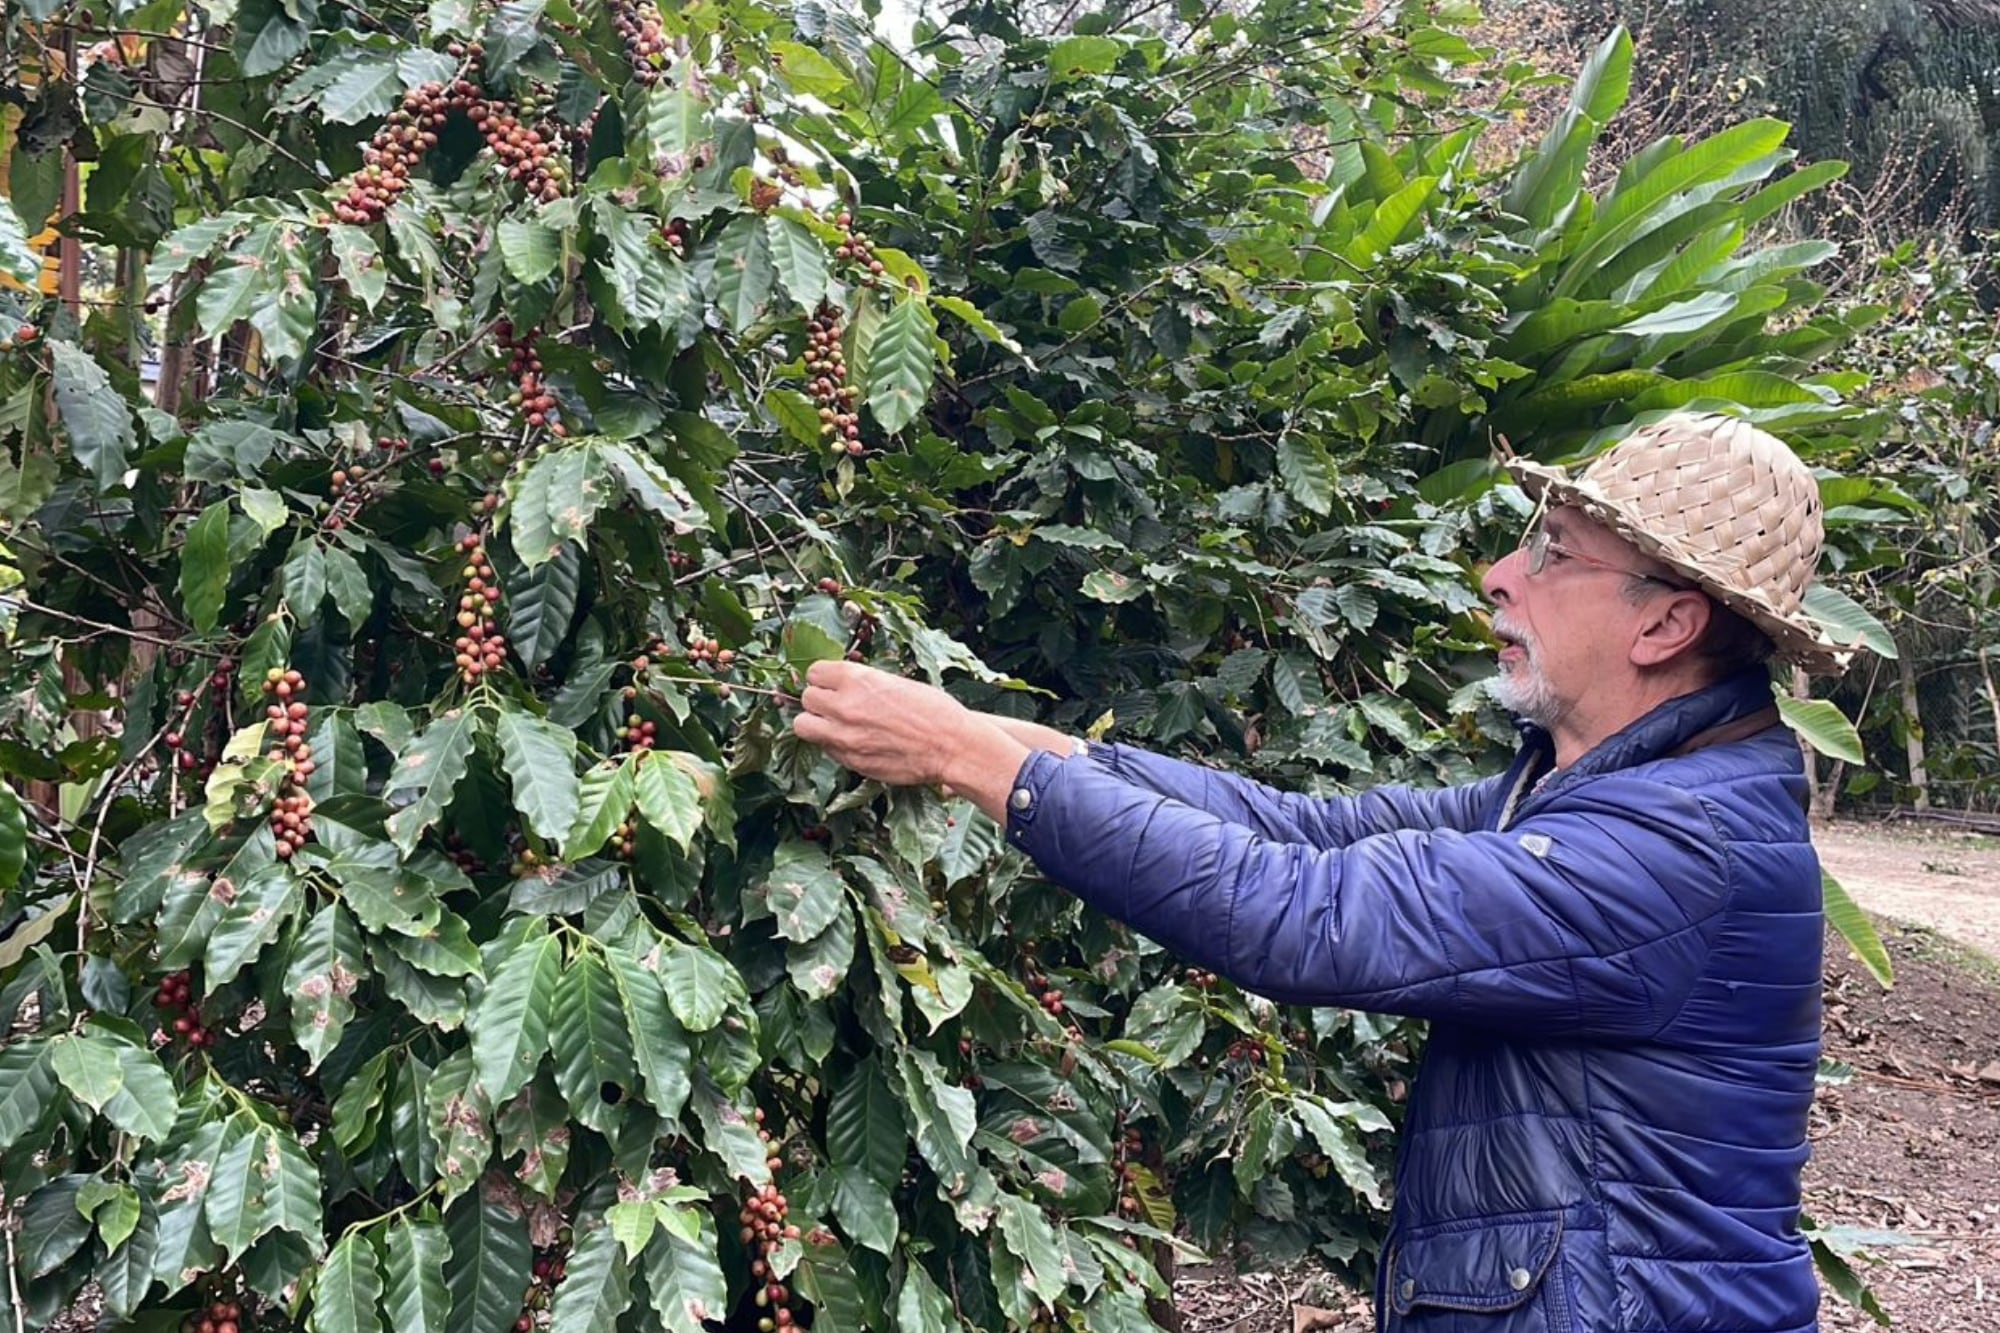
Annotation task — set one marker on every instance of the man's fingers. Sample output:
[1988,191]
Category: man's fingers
[827,672]
[811,728]
[815,698]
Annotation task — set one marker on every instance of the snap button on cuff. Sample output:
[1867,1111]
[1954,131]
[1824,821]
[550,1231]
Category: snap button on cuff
[1021,799]
[1519,1279]
[1408,1290]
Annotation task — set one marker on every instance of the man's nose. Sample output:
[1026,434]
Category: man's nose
[1503,577]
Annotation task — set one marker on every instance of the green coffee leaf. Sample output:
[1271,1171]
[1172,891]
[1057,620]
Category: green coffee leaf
[510,1025]
[591,1043]
[347,1292]
[426,775]
[541,763]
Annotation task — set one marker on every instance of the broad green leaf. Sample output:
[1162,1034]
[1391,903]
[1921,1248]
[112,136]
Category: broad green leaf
[490,1263]
[362,267]
[347,1292]
[668,797]
[865,1208]
[510,1026]
[147,1102]
[24,938]
[347,583]
[1846,916]
[819,967]
[807,70]
[339,766]
[700,985]
[744,275]
[51,1228]
[304,578]
[94,416]
[900,365]
[354,1107]
[367,85]
[1821,724]
[684,1280]
[13,838]
[205,567]
[327,965]
[443,948]
[825,1277]
[597,1288]
[659,1042]
[426,775]
[673,120]
[532,250]
[415,1257]
[263,1181]
[804,892]
[27,1088]
[88,1065]
[1111,587]
[541,603]
[865,1130]
[1077,57]
[591,1044]
[1029,1238]
[648,288]
[800,261]
[729,1130]
[261,906]
[18,260]
[126,1274]
[646,482]
[632,1224]
[1308,472]
[534,1126]
[267,509]
[921,1305]
[461,1121]
[604,799]
[541,763]
[976,320]
[1846,620]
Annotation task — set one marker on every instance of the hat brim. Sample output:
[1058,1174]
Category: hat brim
[1800,640]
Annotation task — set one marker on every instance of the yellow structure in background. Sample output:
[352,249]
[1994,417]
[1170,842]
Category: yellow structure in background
[44,243]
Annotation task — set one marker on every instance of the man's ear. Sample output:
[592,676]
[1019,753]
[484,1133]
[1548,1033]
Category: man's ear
[1670,626]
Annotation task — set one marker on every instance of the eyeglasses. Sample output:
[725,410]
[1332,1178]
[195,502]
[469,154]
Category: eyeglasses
[1538,545]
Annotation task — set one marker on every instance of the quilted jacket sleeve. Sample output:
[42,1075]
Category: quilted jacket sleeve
[1288,816]
[1590,919]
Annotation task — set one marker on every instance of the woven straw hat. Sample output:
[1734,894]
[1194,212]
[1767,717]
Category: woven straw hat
[1724,504]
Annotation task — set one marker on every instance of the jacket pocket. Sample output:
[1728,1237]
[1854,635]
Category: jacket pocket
[1483,1276]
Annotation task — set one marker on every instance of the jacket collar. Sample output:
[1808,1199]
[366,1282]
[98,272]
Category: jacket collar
[1665,730]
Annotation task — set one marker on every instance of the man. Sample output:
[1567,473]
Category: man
[1617,941]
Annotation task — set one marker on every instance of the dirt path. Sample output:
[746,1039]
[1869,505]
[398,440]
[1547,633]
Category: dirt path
[1945,881]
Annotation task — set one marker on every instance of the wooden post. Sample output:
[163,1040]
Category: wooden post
[1913,736]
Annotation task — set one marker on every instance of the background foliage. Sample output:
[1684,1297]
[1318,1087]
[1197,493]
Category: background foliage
[417,911]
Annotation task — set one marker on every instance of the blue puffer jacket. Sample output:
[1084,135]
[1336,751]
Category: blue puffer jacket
[1621,966]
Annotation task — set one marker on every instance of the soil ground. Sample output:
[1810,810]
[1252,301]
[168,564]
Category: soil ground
[1906,1134]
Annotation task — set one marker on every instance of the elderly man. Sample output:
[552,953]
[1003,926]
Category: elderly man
[1617,941]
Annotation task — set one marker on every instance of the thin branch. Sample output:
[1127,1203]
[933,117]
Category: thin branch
[140,636]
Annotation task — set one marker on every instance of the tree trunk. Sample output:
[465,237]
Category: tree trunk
[1913,736]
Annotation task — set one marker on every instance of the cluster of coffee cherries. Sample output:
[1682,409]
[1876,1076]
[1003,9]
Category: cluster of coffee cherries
[291,820]
[25,335]
[638,734]
[710,655]
[218,1316]
[856,249]
[864,630]
[1048,996]
[548,1270]
[530,158]
[676,233]
[354,485]
[176,997]
[645,38]
[1124,1156]
[764,1226]
[826,363]
[1246,1049]
[480,646]
[1199,979]
[531,392]
[409,132]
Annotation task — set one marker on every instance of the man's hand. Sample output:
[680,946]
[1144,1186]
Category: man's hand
[906,733]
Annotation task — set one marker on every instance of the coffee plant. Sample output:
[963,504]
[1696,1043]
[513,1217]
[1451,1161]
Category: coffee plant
[417,912]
